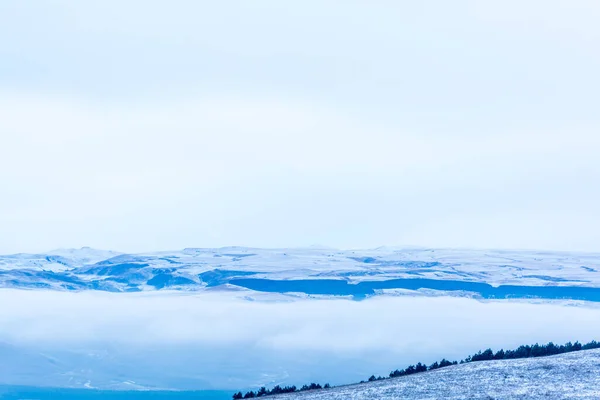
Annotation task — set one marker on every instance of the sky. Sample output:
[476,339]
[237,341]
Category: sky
[148,125]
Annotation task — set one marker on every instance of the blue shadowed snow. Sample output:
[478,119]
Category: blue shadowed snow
[219,277]
[163,280]
[363,289]
[551,278]
[58,260]
[366,260]
[115,269]
[387,263]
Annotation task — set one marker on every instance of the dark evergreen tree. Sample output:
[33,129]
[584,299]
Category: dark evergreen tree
[537,351]
[396,373]
[591,345]
[499,355]
[276,390]
[446,363]
[483,356]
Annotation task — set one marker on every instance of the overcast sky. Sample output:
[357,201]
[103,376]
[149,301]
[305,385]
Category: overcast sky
[147,125]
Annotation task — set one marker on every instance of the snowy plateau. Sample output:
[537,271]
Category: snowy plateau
[203,269]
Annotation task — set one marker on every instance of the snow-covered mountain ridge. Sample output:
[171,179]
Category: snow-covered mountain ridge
[199,269]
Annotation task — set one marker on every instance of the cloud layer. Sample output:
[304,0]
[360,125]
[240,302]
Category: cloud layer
[206,335]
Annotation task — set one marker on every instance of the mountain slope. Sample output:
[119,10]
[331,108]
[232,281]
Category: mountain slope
[567,376]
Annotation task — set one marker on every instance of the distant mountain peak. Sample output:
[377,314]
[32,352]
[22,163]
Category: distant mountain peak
[84,255]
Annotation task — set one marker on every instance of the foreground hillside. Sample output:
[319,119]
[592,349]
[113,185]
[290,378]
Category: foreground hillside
[567,376]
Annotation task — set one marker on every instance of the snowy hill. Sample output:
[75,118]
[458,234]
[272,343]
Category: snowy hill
[84,255]
[567,376]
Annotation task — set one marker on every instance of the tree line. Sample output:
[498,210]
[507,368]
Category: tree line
[263,391]
[527,351]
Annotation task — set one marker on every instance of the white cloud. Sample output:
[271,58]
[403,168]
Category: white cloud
[322,339]
[392,323]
